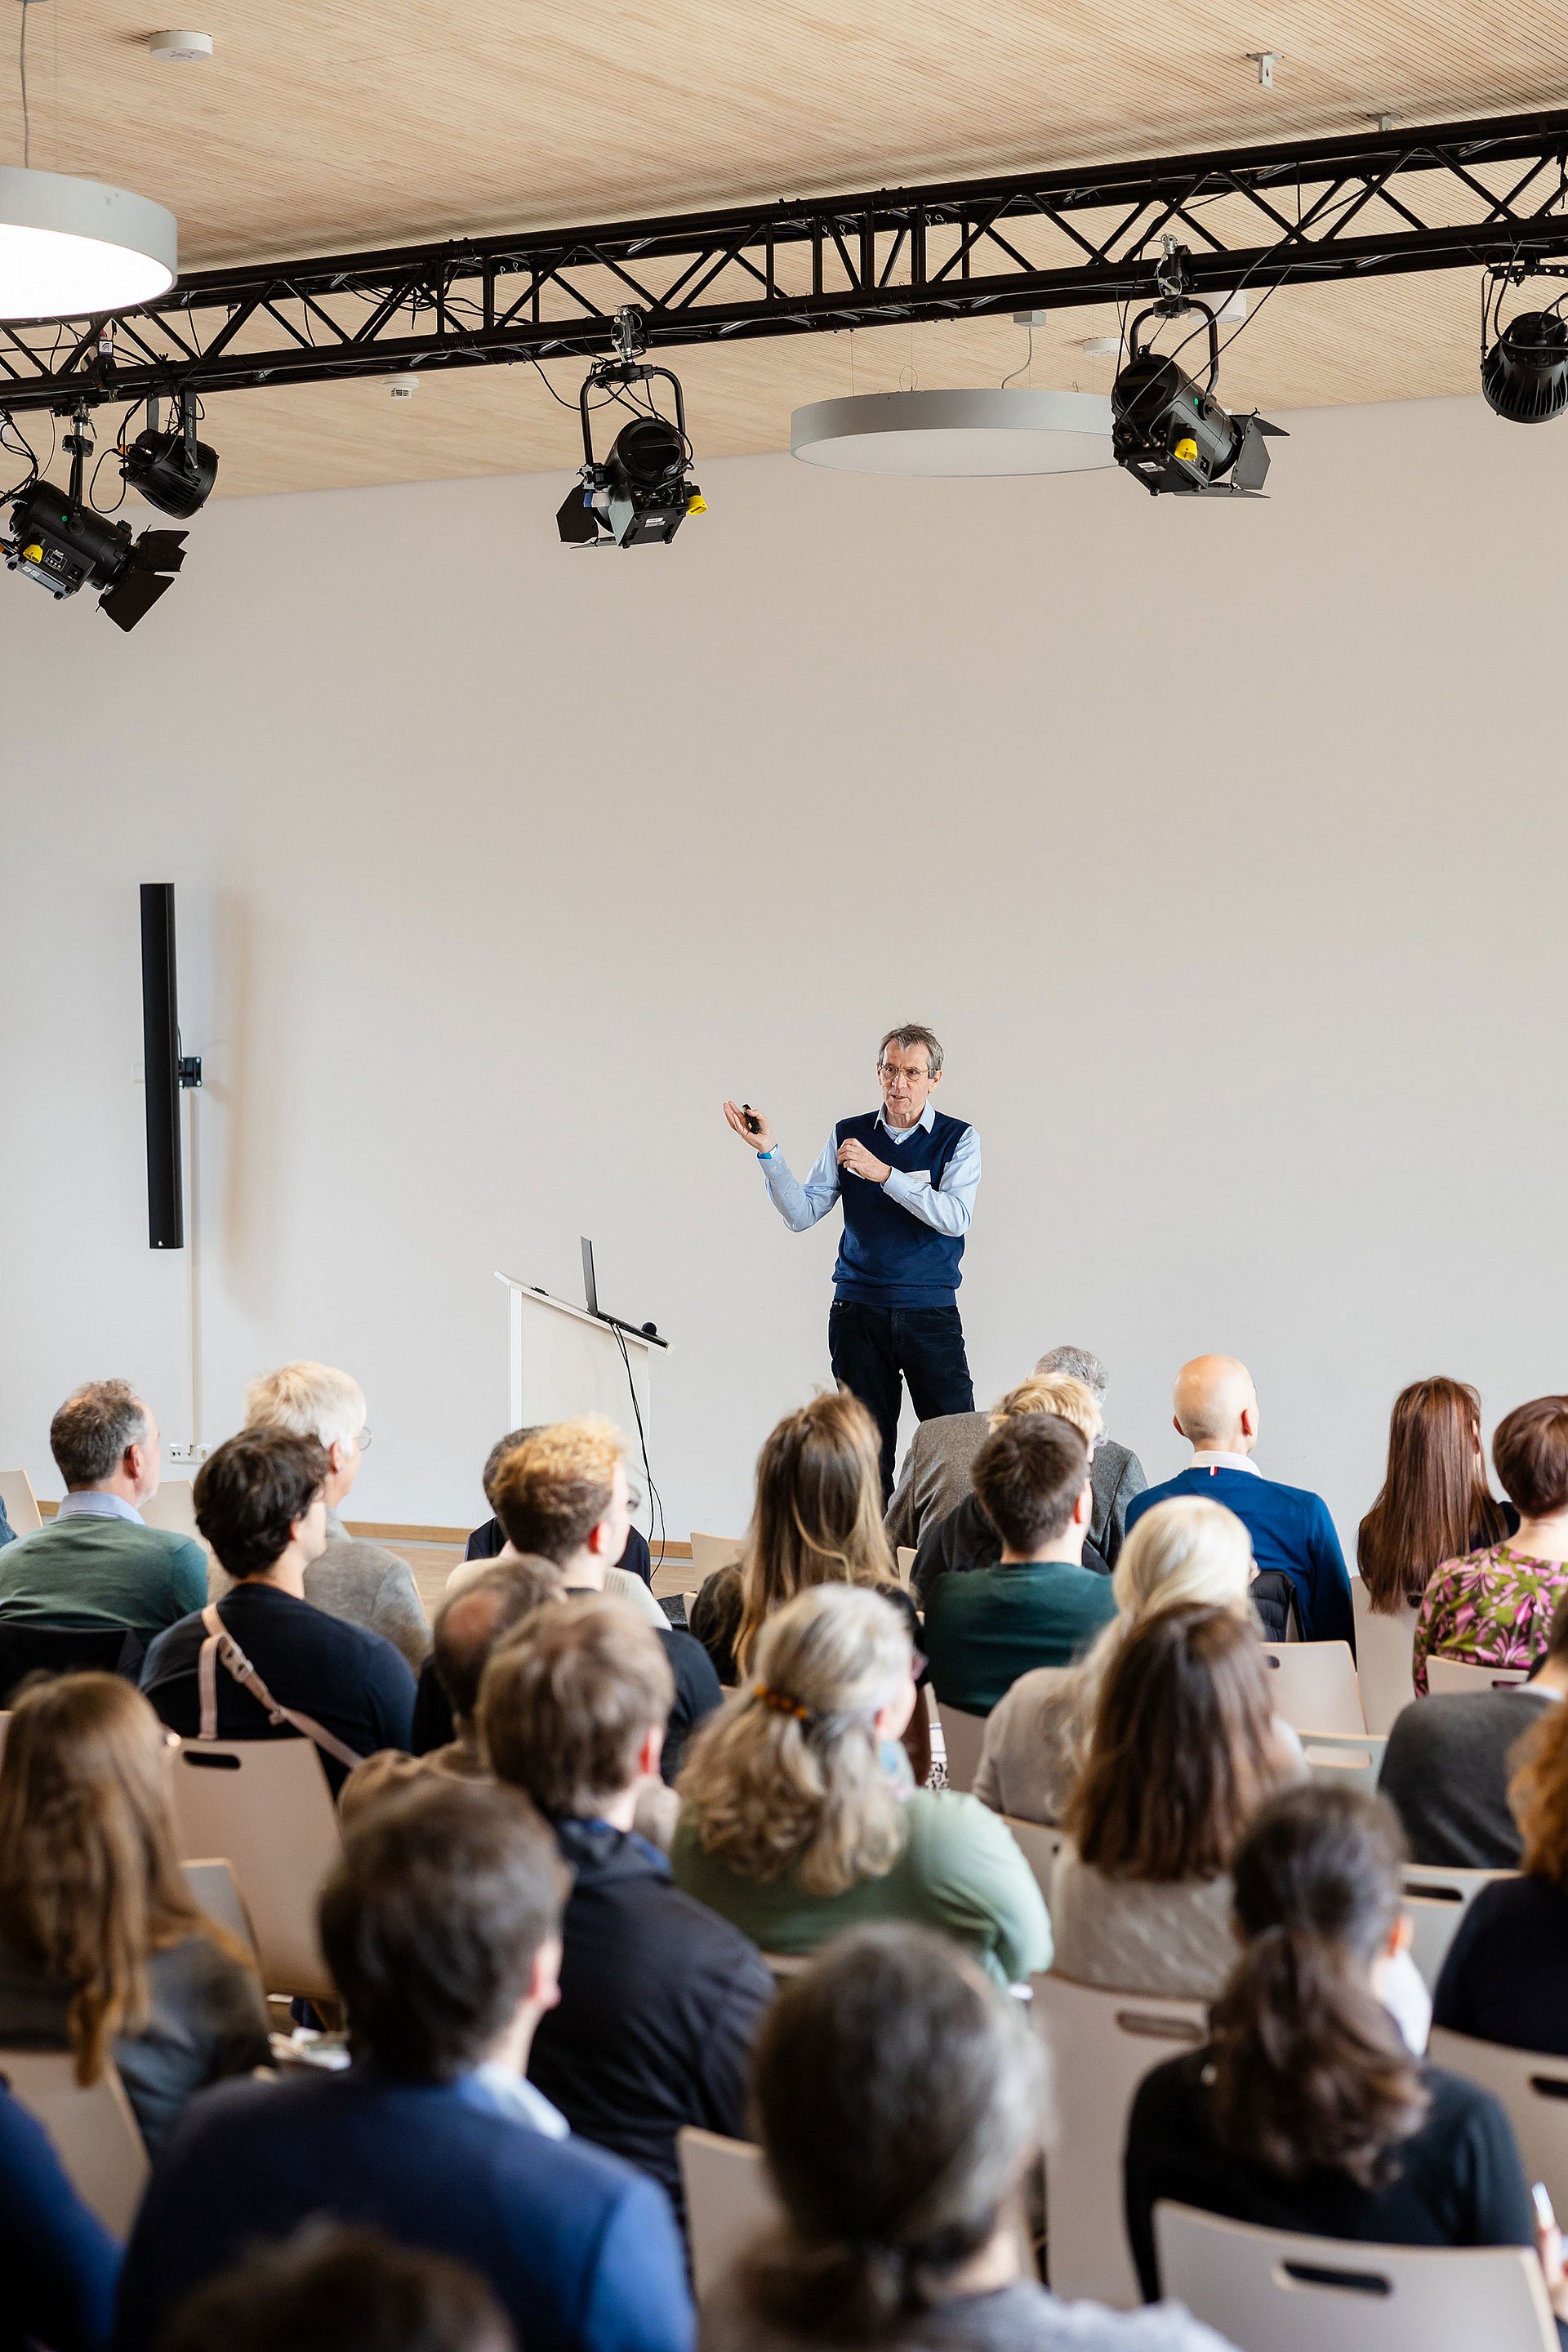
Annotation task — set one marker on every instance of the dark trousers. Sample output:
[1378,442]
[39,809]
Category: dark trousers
[874,1349]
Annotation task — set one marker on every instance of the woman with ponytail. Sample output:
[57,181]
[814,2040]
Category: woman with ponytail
[799,1817]
[898,2096]
[1307,2111]
[102,1950]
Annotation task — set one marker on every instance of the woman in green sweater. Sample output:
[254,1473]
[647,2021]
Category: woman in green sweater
[799,1817]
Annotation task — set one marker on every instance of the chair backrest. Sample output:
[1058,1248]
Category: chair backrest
[95,2134]
[1383,1650]
[906,1562]
[1039,1847]
[264,1806]
[173,1509]
[1314,1686]
[28,1649]
[710,1552]
[1437,1900]
[729,2200]
[962,1737]
[213,1884]
[1100,2045]
[1272,2291]
[1534,2090]
[1453,1674]
[781,1966]
[21,1504]
[1337,1759]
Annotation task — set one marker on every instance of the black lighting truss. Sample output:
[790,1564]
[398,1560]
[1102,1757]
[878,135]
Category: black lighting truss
[1376,204]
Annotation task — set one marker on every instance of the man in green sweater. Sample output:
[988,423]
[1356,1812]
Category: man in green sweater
[98,1562]
[1039,1606]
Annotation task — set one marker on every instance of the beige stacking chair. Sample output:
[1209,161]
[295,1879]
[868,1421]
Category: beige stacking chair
[1383,1652]
[963,1737]
[1314,1686]
[1452,1675]
[1436,1901]
[263,1805]
[729,2200]
[213,1885]
[95,2136]
[1534,2090]
[21,1503]
[1337,1760]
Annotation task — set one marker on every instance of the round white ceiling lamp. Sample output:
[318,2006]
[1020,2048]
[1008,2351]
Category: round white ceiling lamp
[70,248]
[957,433]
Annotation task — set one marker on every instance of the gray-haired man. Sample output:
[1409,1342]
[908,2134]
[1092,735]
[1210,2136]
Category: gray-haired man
[895,1286]
[98,1562]
[935,1476]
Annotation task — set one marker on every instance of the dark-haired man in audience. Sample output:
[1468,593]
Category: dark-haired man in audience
[1450,1759]
[1039,1606]
[562,1495]
[487,1542]
[441,1927]
[97,1561]
[934,1479]
[340,2290]
[659,1997]
[260,1504]
[1216,1410]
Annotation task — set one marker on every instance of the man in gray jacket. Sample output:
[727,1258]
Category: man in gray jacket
[935,1476]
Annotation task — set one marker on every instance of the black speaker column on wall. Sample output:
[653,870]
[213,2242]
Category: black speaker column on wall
[167,1072]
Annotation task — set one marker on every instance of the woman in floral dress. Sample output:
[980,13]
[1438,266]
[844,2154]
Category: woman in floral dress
[1494,1607]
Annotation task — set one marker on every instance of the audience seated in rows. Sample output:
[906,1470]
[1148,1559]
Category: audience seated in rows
[102,1950]
[60,2267]
[563,1497]
[442,1929]
[799,1816]
[659,1996]
[968,1537]
[1435,1503]
[1184,1751]
[1291,1530]
[898,2096]
[469,1625]
[354,1578]
[1447,1768]
[329,2290]
[1038,1605]
[1494,1607]
[1306,2110]
[261,1502]
[1037,1736]
[1505,1977]
[489,1541]
[934,1479]
[97,1562]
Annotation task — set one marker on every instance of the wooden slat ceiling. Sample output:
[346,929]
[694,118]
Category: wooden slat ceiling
[347,123]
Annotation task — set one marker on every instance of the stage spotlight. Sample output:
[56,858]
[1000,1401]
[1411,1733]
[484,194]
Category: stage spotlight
[64,544]
[1524,375]
[172,470]
[642,492]
[1170,432]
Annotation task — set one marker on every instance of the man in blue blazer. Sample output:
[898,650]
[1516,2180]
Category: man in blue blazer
[1217,1413]
[442,1928]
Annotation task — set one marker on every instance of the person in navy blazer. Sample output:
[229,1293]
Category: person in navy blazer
[442,1929]
[1217,1413]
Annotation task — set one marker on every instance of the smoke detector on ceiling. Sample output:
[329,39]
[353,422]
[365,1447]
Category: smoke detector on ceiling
[180,48]
[402,387]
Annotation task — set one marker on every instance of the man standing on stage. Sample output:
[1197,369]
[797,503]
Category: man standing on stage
[895,1309]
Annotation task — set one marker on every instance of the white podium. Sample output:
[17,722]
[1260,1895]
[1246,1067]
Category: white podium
[564,1363]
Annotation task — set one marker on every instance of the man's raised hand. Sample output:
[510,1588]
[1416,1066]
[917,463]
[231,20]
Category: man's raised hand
[760,1138]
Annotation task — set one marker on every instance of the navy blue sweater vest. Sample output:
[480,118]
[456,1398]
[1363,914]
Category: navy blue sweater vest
[887,1257]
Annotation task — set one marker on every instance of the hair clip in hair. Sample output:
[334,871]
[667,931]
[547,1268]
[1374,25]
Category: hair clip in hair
[780,1703]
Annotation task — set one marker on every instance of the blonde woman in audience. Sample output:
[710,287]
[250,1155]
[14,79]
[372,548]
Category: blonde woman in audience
[1184,1751]
[799,1816]
[818,1515]
[102,1950]
[967,1539]
[1180,1553]
[898,2099]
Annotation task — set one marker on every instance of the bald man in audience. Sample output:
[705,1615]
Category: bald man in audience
[1217,1413]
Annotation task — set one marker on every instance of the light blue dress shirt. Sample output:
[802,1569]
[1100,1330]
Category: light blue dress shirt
[947,1207]
[92,1503]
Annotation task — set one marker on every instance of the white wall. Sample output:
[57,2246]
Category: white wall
[1223,845]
